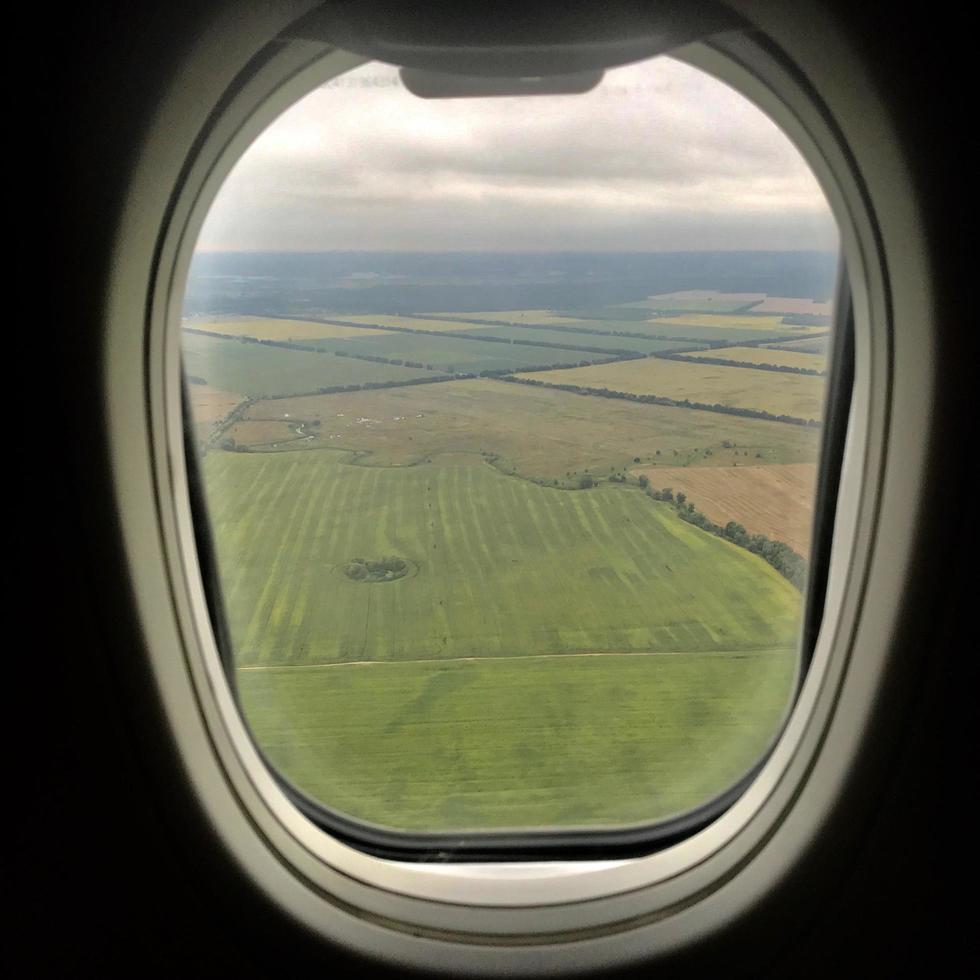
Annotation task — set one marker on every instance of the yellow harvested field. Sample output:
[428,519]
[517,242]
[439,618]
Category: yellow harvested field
[211,404]
[273,329]
[766,355]
[775,500]
[740,320]
[407,322]
[788,304]
[799,395]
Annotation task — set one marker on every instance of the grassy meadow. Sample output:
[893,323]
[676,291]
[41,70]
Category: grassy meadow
[520,743]
[538,433]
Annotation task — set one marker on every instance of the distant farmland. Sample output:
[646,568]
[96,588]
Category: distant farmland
[452,354]
[263,370]
[265,328]
[778,393]
[538,432]
[767,355]
[776,501]
[641,345]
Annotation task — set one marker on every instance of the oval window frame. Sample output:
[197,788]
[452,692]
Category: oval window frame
[471,904]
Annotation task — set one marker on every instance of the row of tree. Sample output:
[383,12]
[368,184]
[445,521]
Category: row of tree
[781,556]
[725,362]
[752,413]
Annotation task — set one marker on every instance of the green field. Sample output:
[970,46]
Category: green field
[260,370]
[550,724]
[520,743]
[572,339]
[452,354]
[541,433]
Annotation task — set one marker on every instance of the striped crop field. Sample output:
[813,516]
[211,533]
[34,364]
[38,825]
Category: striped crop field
[499,566]
[634,641]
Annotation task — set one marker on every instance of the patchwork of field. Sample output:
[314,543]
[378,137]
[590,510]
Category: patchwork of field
[540,433]
[527,742]
[796,395]
[767,355]
[451,354]
[262,328]
[776,501]
[259,370]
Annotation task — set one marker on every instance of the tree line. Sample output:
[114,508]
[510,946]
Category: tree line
[780,556]
[752,413]
[725,362]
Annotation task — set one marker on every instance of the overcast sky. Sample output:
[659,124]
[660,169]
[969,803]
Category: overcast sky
[658,157]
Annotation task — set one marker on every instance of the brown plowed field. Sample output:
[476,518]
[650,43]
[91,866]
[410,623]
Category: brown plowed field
[776,500]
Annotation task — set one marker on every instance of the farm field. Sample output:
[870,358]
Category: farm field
[788,304]
[697,300]
[452,354]
[776,501]
[540,433]
[771,324]
[781,394]
[767,355]
[816,345]
[264,328]
[641,345]
[408,322]
[258,370]
[564,741]
[499,566]
[517,316]
[209,406]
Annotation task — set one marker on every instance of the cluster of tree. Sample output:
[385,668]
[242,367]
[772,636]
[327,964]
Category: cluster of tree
[725,362]
[376,570]
[752,413]
[781,556]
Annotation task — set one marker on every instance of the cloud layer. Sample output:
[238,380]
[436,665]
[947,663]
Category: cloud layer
[658,157]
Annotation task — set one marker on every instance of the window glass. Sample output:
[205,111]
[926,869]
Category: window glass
[508,412]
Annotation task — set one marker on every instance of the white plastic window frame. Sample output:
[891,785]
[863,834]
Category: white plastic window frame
[491,919]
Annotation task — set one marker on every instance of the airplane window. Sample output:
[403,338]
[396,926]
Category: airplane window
[508,414]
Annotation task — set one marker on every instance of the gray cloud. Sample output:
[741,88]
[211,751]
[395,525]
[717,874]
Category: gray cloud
[660,156]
